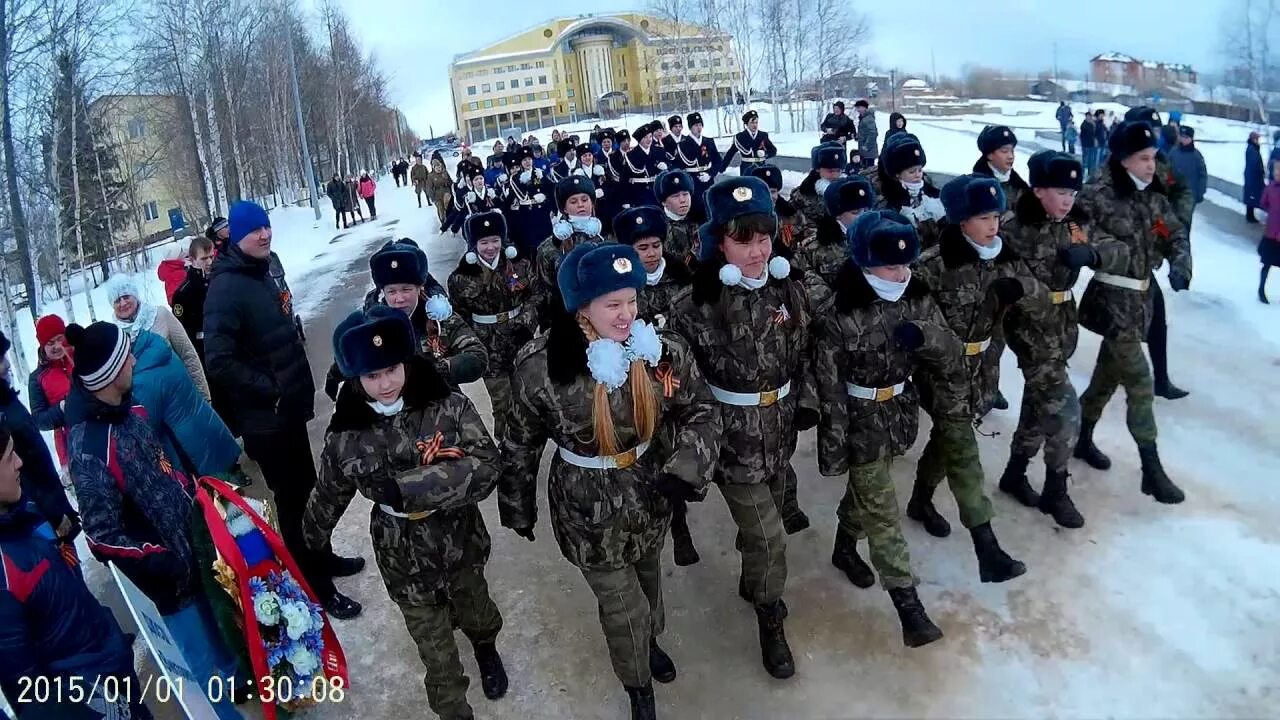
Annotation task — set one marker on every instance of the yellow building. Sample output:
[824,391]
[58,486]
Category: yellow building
[590,66]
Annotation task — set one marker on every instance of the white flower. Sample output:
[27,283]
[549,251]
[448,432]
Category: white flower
[599,192]
[297,618]
[266,607]
[644,343]
[438,308]
[304,662]
[597,170]
[607,361]
[471,197]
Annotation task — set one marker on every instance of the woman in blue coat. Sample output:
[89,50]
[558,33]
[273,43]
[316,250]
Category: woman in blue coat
[178,414]
[1255,176]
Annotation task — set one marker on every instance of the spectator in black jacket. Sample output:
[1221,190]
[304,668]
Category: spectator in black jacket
[837,127]
[1189,163]
[254,350]
[1089,144]
[188,299]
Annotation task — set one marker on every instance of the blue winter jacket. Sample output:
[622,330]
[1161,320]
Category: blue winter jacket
[188,428]
[1254,174]
[40,481]
[1189,164]
[50,624]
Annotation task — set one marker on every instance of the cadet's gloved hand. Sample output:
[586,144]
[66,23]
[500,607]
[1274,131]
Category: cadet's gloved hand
[331,384]
[1078,256]
[909,336]
[1007,290]
[1179,280]
[805,419]
[526,533]
[675,489]
[391,495]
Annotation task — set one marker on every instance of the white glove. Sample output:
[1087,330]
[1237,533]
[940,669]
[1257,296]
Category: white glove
[502,177]
[471,197]
[489,192]
[597,170]
[760,153]
[526,176]
[704,177]
[932,208]
[539,198]
[599,192]
[662,166]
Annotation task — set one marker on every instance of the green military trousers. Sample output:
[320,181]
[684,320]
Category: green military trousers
[871,505]
[763,542]
[500,399]
[952,453]
[1122,362]
[631,613]
[784,486]
[1050,415]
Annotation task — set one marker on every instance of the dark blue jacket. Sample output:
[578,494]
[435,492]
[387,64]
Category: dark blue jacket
[1255,175]
[50,624]
[1189,164]
[40,481]
[1088,133]
[1064,115]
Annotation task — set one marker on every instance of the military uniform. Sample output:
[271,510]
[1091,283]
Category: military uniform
[527,208]
[637,169]
[891,195]
[1013,188]
[546,263]
[429,537]
[752,147]
[682,236]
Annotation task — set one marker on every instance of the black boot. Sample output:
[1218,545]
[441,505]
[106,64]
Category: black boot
[774,651]
[660,664]
[1154,481]
[917,628]
[1169,391]
[922,511]
[1262,285]
[1249,217]
[681,542]
[1014,481]
[1088,452]
[642,704]
[844,556]
[795,522]
[1056,502]
[994,564]
[345,566]
[1000,402]
[493,675]
[341,607]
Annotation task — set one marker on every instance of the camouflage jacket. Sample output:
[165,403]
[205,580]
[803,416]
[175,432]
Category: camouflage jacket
[439,184]
[961,285]
[855,344]
[682,238]
[1037,240]
[546,265]
[1176,189]
[601,518]
[810,204]
[477,290]
[367,453]
[1145,223]
[1013,188]
[751,341]
[890,195]
[656,301]
[791,224]
[824,251]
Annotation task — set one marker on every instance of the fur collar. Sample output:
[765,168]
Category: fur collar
[1123,184]
[707,285]
[422,386]
[677,271]
[854,292]
[829,231]
[808,186]
[957,252]
[896,196]
[784,207]
[982,167]
[1029,211]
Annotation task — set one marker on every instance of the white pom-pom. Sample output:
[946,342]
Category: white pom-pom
[471,258]
[539,198]
[730,274]
[607,361]
[438,308]
[779,267]
[471,197]
[644,343]
[502,177]
[599,192]
[704,177]
[509,251]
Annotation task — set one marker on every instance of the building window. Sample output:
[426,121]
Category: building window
[665,66]
[137,128]
[624,87]
[556,76]
[471,89]
[573,107]
[546,95]
[530,97]
[484,87]
[526,66]
[511,68]
[569,92]
[715,63]
[502,101]
[528,82]
[540,64]
[150,211]
[542,79]
[473,106]
[488,104]
[501,85]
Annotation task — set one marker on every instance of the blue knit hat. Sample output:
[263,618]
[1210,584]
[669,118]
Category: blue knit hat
[371,340]
[730,199]
[1054,169]
[970,195]
[851,192]
[1128,138]
[671,182]
[638,222]
[882,237]
[827,156]
[994,137]
[397,263]
[770,174]
[594,269]
[901,151]
[244,217]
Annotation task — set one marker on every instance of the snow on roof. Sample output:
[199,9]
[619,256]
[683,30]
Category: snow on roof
[1114,57]
[916,84]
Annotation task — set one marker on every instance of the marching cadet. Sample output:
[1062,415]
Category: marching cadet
[575,196]
[901,184]
[672,140]
[493,292]
[674,189]
[399,273]
[790,219]
[567,161]
[825,251]
[530,217]
[639,167]
[699,157]
[610,494]
[588,167]
[883,328]
[1055,238]
[747,319]
[998,146]
[609,203]
[472,196]
[418,449]
[751,143]
[827,165]
[1129,203]
[973,278]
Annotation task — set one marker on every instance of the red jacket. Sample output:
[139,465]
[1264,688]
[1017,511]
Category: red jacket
[172,272]
[366,187]
[48,386]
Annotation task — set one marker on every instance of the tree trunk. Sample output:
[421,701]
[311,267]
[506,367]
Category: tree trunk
[106,205]
[17,215]
[236,156]
[64,272]
[18,359]
[215,150]
[77,219]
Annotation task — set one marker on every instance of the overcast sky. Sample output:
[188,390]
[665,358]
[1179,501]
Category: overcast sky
[415,40]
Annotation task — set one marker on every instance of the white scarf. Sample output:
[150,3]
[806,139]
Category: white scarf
[696,138]
[486,263]
[1002,176]
[143,319]
[755,283]
[986,252]
[888,290]
[672,216]
[655,277]
[913,187]
[1142,185]
[387,410]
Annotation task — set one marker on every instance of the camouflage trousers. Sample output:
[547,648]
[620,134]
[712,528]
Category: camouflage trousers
[763,542]
[873,507]
[500,399]
[952,453]
[784,486]
[1119,363]
[431,620]
[631,613]
[1050,415]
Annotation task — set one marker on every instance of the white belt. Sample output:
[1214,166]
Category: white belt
[200,335]
[877,394]
[977,348]
[621,461]
[746,159]
[699,169]
[1058,297]
[526,203]
[760,399]
[403,516]
[496,319]
[644,180]
[1121,281]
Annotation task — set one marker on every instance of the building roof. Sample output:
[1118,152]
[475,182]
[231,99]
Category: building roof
[632,25]
[916,84]
[1115,57]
